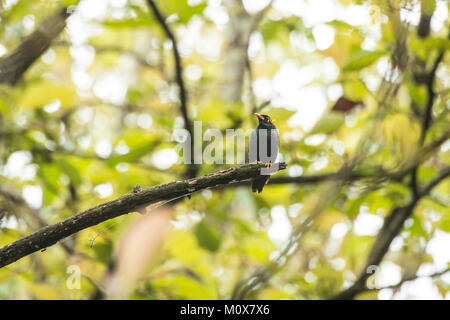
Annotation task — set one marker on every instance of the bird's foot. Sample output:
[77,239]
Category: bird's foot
[268,165]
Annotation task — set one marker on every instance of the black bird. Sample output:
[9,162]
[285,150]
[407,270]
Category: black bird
[264,145]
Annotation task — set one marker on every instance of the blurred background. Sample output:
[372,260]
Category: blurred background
[359,91]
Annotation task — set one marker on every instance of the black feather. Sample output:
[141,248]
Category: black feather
[272,150]
[259,183]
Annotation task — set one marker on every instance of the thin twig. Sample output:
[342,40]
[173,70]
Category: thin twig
[391,227]
[398,285]
[192,169]
[431,96]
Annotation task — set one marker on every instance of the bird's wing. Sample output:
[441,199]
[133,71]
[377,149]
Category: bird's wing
[275,145]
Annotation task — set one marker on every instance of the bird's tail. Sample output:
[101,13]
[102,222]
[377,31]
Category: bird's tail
[259,183]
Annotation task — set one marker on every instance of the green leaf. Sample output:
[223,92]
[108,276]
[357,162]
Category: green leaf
[68,3]
[279,30]
[134,154]
[445,224]
[103,252]
[71,171]
[43,291]
[279,115]
[355,89]
[418,94]
[362,59]
[416,228]
[50,174]
[330,122]
[423,47]
[181,8]
[8,235]
[207,237]
[41,93]
[3,106]
[183,287]
[129,23]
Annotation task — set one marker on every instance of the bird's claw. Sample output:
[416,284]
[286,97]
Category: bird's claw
[267,165]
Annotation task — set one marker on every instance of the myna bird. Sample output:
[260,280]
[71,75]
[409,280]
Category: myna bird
[264,144]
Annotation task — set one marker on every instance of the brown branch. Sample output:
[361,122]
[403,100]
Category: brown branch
[379,174]
[317,178]
[427,8]
[427,117]
[412,278]
[240,27]
[13,66]
[431,95]
[192,169]
[131,202]
[391,227]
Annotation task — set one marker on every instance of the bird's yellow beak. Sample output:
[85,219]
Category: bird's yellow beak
[259,116]
[272,121]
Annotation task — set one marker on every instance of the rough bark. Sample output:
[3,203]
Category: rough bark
[50,235]
[192,169]
[240,27]
[14,65]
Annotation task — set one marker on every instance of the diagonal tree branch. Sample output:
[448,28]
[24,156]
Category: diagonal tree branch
[377,174]
[394,222]
[13,66]
[412,278]
[431,96]
[427,116]
[50,235]
[391,227]
[192,169]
